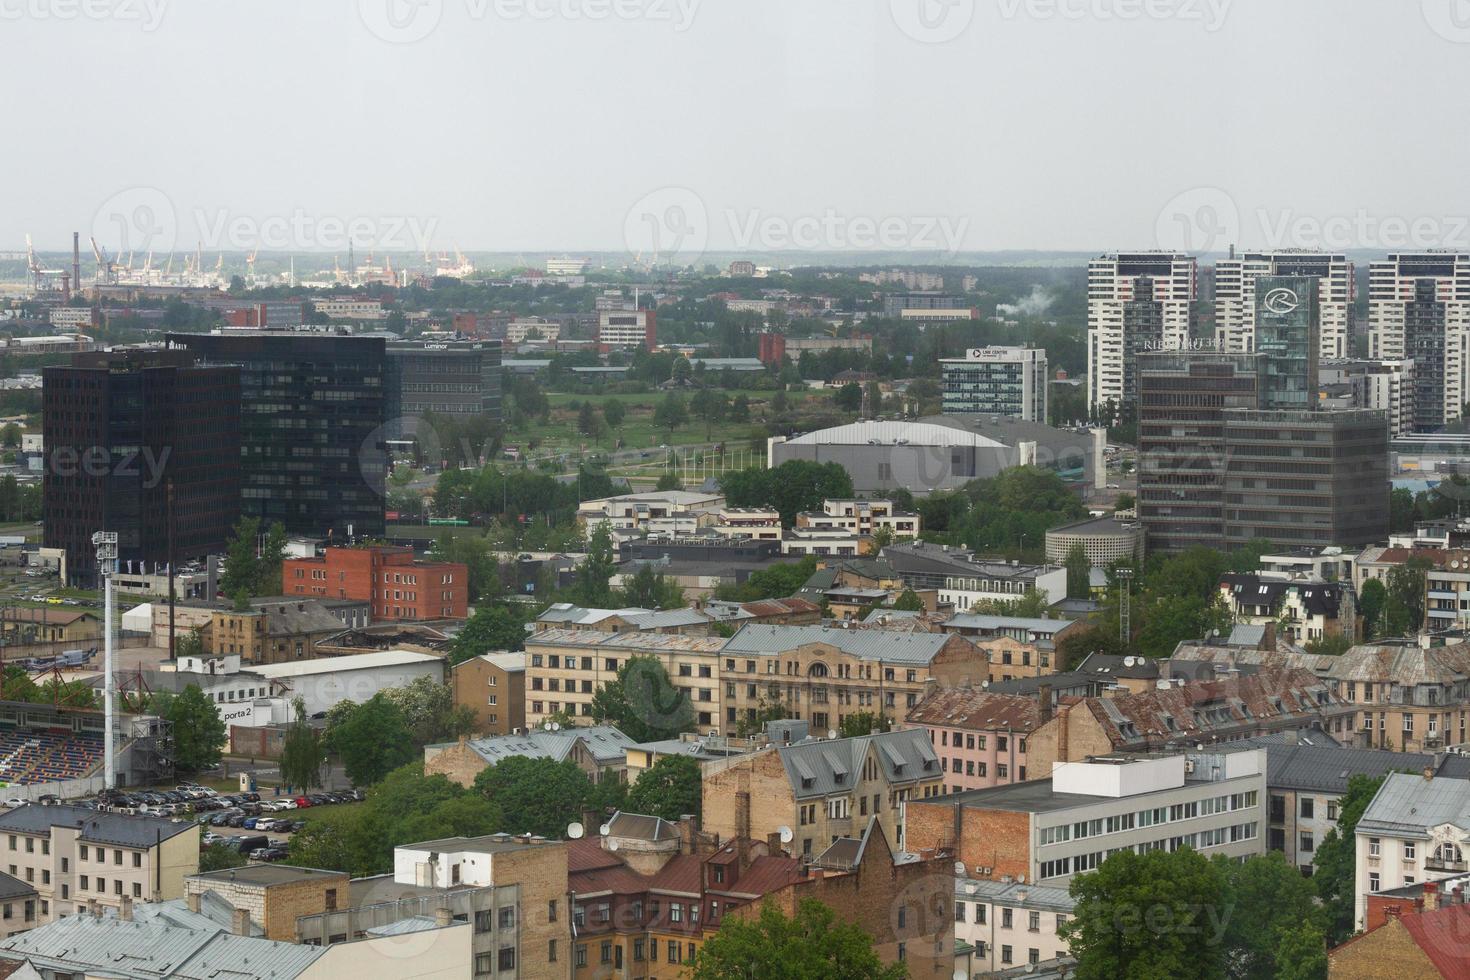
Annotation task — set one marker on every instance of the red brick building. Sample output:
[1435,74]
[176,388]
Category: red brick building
[398,585]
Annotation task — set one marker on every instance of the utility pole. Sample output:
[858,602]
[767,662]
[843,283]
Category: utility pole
[106,544]
[171,573]
[1125,580]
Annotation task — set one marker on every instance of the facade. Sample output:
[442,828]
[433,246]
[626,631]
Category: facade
[996,381]
[627,328]
[980,737]
[1405,697]
[1239,293]
[323,683]
[1136,302]
[493,686]
[1044,831]
[313,414]
[138,442]
[276,631]
[1414,831]
[398,585]
[1287,326]
[1011,925]
[455,378]
[991,582]
[1384,386]
[1302,611]
[1103,539]
[1419,310]
[821,789]
[74,856]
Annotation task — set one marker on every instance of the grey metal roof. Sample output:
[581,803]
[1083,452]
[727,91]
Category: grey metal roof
[1324,769]
[976,621]
[606,743]
[820,768]
[1408,805]
[1045,898]
[883,646]
[641,827]
[13,887]
[95,826]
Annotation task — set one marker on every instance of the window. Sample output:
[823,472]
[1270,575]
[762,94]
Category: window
[483,921]
[1410,850]
[1375,847]
[1033,922]
[551,911]
[507,958]
[1005,918]
[1006,955]
[605,953]
[579,956]
[1373,881]
[1307,808]
[1305,844]
[551,951]
[484,963]
[959,911]
[508,918]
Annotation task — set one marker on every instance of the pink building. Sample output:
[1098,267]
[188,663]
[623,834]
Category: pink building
[980,737]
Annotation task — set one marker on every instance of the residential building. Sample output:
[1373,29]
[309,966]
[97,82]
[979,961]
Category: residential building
[821,790]
[861,518]
[980,737]
[530,329]
[493,686]
[273,895]
[599,750]
[1239,296]
[74,856]
[459,379]
[760,523]
[399,585]
[621,329]
[1384,386]
[1302,611]
[665,513]
[1042,633]
[1419,937]
[144,443]
[1010,925]
[274,631]
[1044,831]
[919,302]
[564,615]
[1136,302]
[996,381]
[313,414]
[1406,697]
[25,625]
[993,581]
[1419,311]
[1104,540]
[20,906]
[1415,830]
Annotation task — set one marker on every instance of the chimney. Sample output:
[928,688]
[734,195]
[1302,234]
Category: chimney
[1063,749]
[192,900]
[1268,637]
[742,829]
[1428,773]
[240,922]
[443,917]
[1431,896]
[92,908]
[125,911]
[1043,697]
[686,833]
[817,874]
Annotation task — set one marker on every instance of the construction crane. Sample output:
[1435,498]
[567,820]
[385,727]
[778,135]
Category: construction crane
[44,280]
[106,268]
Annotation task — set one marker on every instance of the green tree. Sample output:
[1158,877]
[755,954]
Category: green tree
[491,629]
[671,413]
[1129,913]
[1336,859]
[812,945]
[588,421]
[253,560]
[796,485]
[1302,954]
[218,857]
[302,753]
[1370,605]
[190,644]
[372,741]
[643,703]
[10,435]
[740,409]
[754,721]
[909,601]
[710,406]
[650,590]
[669,481]
[849,398]
[1079,568]
[775,582]
[669,788]
[1266,897]
[613,413]
[1403,608]
[1331,646]
[536,796]
[596,571]
[429,711]
[198,732]
[863,723]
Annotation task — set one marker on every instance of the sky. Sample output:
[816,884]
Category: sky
[676,127]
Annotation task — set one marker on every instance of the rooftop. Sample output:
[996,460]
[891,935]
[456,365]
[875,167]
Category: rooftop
[126,830]
[265,875]
[883,646]
[976,710]
[1408,805]
[626,641]
[356,661]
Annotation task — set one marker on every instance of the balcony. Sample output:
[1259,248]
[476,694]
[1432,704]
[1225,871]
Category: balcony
[1433,863]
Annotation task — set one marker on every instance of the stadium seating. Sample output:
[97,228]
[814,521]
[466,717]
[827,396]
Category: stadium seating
[45,757]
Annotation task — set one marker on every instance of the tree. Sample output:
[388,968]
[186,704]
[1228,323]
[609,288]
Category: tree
[302,754]
[198,732]
[1079,570]
[191,644]
[649,590]
[1371,604]
[1331,646]
[849,397]
[740,409]
[588,422]
[1266,897]
[218,857]
[10,435]
[775,582]
[490,630]
[613,412]
[1403,609]
[669,481]
[671,413]
[535,796]
[863,723]
[372,741]
[669,788]
[796,485]
[643,703]
[1336,861]
[711,406]
[909,602]
[596,571]
[1128,917]
[812,945]
[1302,954]
[429,711]
[253,560]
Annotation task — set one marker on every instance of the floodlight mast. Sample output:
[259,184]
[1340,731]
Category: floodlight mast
[106,544]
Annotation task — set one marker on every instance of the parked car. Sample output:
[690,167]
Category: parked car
[211,838]
[236,820]
[14,802]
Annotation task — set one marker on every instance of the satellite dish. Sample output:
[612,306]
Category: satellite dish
[785,833]
[603,830]
[831,733]
[612,845]
[1020,879]
[959,869]
[556,726]
[970,888]
[575,830]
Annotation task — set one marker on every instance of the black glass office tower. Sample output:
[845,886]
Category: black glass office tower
[313,409]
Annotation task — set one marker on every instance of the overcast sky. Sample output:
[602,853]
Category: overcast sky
[683,125]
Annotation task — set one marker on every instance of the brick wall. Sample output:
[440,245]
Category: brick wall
[1072,735]
[459,763]
[1389,953]
[996,839]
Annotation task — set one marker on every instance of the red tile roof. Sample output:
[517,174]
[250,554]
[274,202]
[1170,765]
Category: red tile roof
[1441,934]
[954,707]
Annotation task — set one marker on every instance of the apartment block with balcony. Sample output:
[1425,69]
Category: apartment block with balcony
[1406,696]
[1136,302]
[1237,303]
[1415,830]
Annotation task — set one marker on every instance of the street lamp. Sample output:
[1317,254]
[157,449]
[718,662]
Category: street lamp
[106,544]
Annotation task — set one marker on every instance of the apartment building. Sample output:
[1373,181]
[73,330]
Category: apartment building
[1239,298]
[666,513]
[1302,611]
[399,585]
[632,619]
[73,856]
[1404,696]
[862,518]
[493,686]
[1419,311]
[600,751]
[1136,301]
[1044,831]
[820,790]
[627,328]
[761,523]
[1011,925]
[996,381]
[994,581]
[980,737]
[1383,386]
[1104,540]
[1416,830]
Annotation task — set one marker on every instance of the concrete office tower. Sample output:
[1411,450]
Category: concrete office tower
[1236,301]
[997,381]
[1419,309]
[1136,301]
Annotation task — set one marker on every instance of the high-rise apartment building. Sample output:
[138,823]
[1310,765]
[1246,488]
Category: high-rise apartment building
[1136,301]
[1236,291]
[1419,310]
[314,409]
[996,381]
[122,428]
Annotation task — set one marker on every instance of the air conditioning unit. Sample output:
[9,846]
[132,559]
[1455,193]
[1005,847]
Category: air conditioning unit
[1188,766]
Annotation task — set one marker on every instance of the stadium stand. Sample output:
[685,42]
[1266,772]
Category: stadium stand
[44,757]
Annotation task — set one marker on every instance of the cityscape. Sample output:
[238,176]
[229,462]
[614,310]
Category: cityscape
[686,490]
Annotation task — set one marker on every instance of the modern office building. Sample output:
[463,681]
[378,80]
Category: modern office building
[1419,309]
[1287,318]
[997,381]
[459,379]
[1237,291]
[1136,301]
[314,409]
[122,428]
[627,328]
[1385,386]
[1103,539]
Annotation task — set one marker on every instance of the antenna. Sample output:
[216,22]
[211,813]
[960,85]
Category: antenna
[785,833]
[612,845]
[575,830]
[604,829]
[831,733]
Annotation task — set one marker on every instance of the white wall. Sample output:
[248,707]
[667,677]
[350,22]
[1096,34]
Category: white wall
[1126,779]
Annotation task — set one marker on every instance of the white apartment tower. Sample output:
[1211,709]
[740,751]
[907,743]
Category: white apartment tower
[1235,296]
[1136,301]
[1419,309]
